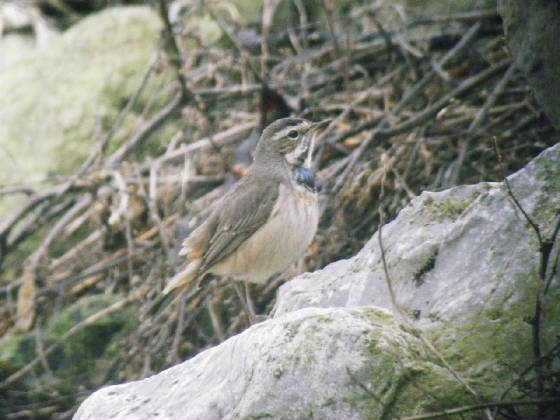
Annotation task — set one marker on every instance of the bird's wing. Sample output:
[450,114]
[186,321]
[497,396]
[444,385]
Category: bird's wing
[242,212]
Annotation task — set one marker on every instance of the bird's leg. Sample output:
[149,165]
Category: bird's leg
[249,300]
[247,304]
[248,310]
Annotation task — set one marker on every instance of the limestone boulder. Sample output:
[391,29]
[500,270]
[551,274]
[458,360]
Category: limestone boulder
[531,28]
[464,265]
[57,100]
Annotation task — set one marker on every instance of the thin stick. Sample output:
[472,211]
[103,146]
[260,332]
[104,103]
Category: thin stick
[39,348]
[223,138]
[238,46]
[16,190]
[420,118]
[154,213]
[84,202]
[465,409]
[544,251]
[88,321]
[425,115]
[175,57]
[555,263]
[145,131]
[479,118]
[404,316]
[33,202]
[118,121]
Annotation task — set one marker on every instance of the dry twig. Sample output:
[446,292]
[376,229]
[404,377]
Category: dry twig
[404,97]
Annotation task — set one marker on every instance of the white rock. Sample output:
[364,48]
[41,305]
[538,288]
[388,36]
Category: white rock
[464,261]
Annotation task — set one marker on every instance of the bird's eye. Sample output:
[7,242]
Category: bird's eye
[293,134]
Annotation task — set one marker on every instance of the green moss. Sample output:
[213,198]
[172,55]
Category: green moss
[493,313]
[256,416]
[14,262]
[377,316]
[53,98]
[426,268]
[450,209]
[415,313]
[278,373]
[415,384]
[404,378]
[486,348]
[90,344]
[329,403]
[17,351]
[85,352]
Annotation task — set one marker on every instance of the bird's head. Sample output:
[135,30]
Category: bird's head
[288,138]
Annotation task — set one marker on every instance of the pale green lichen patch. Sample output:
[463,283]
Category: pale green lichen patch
[483,350]
[450,208]
[493,342]
[417,383]
[52,100]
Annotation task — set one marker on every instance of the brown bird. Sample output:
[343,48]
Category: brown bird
[266,221]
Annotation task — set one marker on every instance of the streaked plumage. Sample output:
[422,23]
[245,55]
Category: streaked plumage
[266,221]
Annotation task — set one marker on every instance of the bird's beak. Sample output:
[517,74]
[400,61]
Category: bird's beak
[320,125]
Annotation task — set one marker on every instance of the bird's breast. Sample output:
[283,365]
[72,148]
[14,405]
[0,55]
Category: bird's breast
[281,241]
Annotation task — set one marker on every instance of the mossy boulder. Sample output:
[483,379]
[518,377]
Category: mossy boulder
[83,352]
[57,100]
[464,262]
[313,363]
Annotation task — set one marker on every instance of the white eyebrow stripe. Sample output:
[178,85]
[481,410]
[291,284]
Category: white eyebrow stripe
[284,132]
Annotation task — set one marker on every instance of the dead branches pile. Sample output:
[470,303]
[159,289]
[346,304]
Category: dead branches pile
[420,99]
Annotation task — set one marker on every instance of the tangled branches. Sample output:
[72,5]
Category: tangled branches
[415,103]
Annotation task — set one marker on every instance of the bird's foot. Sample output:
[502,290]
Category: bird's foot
[255,319]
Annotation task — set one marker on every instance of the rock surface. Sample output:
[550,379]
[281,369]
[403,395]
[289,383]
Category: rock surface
[531,28]
[446,252]
[57,98]
[463,261]
[301,365]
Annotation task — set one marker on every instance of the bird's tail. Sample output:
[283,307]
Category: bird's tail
[184,277]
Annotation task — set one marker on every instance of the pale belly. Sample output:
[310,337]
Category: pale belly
[281,241]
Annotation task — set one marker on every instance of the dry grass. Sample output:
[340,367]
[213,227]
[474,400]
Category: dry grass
[416,105]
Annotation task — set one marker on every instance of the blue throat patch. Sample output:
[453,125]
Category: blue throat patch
[305,177]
